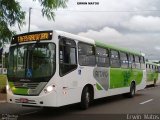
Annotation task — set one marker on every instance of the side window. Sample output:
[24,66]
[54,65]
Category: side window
[124,60]
[156,68]
[147,66]
[67,56]
[132,61]
[142,61]
[153,68]
[102,57]
[150,67]
[115,61]
[137,62]
[86,54]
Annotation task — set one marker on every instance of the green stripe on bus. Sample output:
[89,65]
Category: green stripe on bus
[121,77]
[117,48]
[98,87]
[151,76]
[21,91]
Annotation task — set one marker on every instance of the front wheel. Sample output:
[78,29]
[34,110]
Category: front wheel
[85,98]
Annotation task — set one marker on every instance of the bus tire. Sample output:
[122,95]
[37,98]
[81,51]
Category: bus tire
[132,90]
[85,98]
[154,84]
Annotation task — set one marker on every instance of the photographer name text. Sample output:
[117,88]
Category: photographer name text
[87,3]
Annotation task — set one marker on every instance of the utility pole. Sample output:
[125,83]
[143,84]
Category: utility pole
[29,19]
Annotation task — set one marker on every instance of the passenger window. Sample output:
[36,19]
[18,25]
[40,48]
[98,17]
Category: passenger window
[137,62]
[147,67]
[124,60]
[67,56]
[142,61]
[153,68]
[156,69]
[115,61]
[132,61]
[102,57]
[86,54]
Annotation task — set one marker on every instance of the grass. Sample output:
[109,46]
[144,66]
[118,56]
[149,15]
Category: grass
[3,79]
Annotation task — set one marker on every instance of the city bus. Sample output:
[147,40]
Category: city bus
[56,68]
[152,72]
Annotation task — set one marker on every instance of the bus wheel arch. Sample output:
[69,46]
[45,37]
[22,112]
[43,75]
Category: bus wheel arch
[87,96]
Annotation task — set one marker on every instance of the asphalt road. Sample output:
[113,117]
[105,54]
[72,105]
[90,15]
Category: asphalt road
[146,102]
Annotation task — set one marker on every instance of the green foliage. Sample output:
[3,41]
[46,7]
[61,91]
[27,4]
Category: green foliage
[5,33]
[11,14]
[50,5]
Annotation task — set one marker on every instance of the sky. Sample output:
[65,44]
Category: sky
[133,24]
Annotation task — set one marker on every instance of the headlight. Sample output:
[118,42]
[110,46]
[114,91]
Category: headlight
[49,88]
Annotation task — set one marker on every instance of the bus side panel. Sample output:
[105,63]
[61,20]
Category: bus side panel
[120,80]
[72,85]
[151,77]
[110,92]
[158,78]
[122,77]
[142,84]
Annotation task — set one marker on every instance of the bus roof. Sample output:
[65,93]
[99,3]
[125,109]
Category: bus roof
[118,48]
[151,63]
[75,37]
[83,39]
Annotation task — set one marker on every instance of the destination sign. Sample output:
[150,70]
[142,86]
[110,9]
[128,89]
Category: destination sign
[32,36]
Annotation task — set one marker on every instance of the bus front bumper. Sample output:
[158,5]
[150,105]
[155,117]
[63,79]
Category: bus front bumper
[45,100]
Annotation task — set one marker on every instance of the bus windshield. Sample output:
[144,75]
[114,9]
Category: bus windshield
[32,61]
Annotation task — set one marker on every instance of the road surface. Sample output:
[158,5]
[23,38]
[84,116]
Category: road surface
[145,105]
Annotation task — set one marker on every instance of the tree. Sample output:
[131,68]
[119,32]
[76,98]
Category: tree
[11,13]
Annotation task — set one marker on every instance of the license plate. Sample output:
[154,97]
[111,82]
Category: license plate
[23,100]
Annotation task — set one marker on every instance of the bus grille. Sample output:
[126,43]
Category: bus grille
[26,85]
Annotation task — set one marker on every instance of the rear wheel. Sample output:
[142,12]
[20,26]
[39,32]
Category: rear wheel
[85,98]
[132,90]
[154,84]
